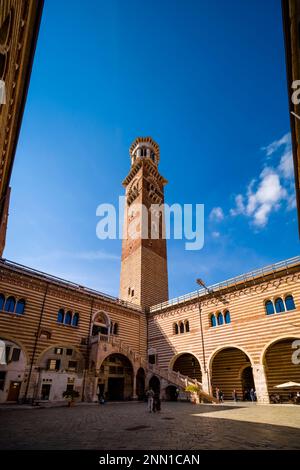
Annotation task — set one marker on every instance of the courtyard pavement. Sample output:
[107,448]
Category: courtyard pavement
[179,426]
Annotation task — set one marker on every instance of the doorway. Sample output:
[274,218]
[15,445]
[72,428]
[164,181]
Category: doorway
[247,382]
[45,393]
[14,391]
[115,388]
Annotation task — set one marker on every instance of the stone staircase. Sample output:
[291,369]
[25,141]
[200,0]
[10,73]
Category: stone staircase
[114,344]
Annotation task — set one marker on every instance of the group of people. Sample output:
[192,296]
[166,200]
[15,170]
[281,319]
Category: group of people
[153,399]
[249,395]
[292,398]
[219,395]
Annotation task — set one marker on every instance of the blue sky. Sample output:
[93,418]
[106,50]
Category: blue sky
[206,79]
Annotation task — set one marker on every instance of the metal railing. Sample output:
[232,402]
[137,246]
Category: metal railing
[64,283]
[267,270]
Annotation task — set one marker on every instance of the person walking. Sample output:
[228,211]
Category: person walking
[234,395]
[218,394]
[252,395]
[150,398]
[221,396]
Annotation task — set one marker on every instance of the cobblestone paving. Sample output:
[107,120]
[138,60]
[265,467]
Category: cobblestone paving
[130,426]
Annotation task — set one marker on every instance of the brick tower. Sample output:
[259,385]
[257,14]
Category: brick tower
[144,274]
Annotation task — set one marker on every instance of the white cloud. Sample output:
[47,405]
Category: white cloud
[286,165]
[215,234]
[216,214]
[271,189]
[274,146]
[239,206]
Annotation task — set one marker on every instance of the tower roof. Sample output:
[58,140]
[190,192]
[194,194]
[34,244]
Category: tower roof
[146,140]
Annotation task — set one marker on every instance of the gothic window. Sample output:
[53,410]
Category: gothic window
[10,305]
[279,305]
[20,308]
[116,329]
[269,307]
[187,326]
[227,317]
[68,318]
[175,329]
[181,327]
[101,324]
[289,302]
[60,316]
[220,318]
[75,319]
[213,320]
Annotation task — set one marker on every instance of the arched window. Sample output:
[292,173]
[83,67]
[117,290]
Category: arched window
[60,316]
[181,327]
[75,319]
[289,302]
[269,307]
[176,329]
[10,304]
[2,301]
[220,318]
[227,317]
[187,326]
[20,308]
[68,318]
[279,305]
[116,329]
[213,320]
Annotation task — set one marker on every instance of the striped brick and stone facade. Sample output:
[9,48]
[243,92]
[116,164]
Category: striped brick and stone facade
[251,346]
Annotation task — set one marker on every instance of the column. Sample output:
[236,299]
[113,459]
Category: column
[134,395]
[260,381]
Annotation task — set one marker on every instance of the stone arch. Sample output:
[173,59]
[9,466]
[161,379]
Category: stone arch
[155,384]
[19,343]
[276,340]
[187,363]
[171,393]
[116,377]
[101,323]
[227,370]
[277,359]
[13,364]
[228,346]
[57,345]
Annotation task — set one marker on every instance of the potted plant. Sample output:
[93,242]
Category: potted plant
[194,390]
[70,396]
